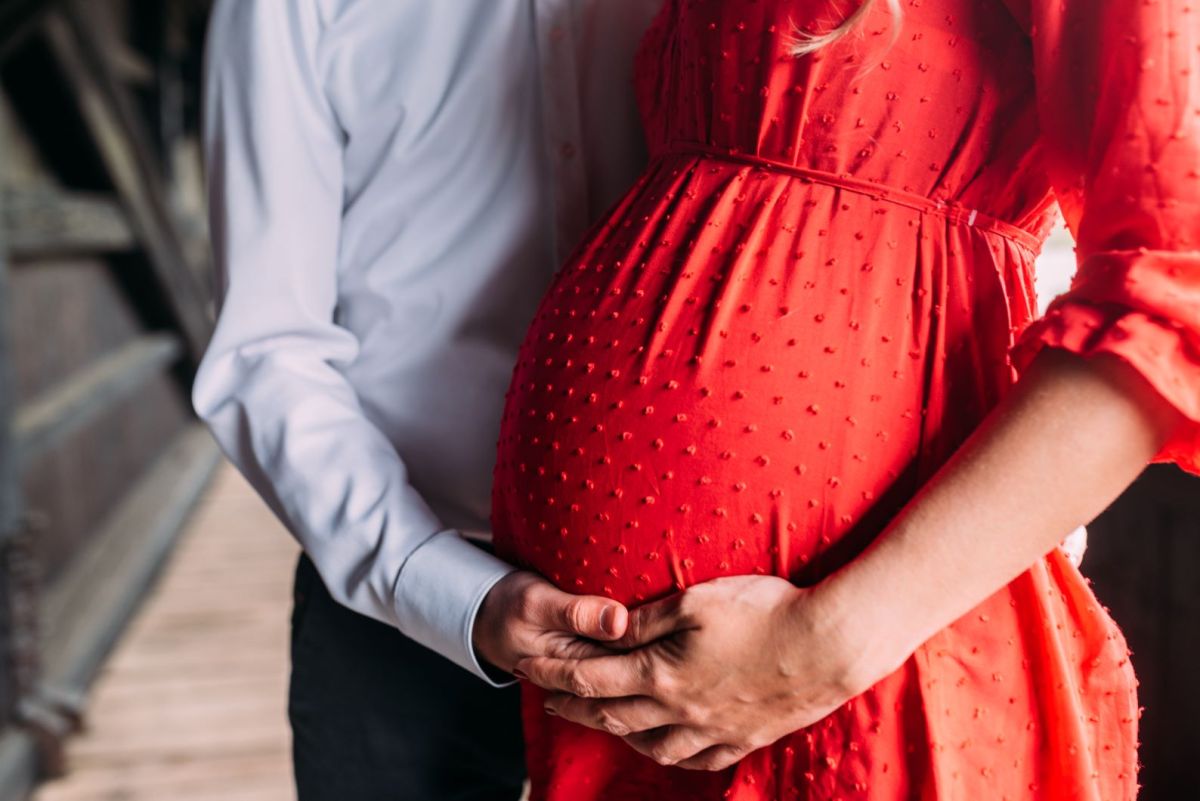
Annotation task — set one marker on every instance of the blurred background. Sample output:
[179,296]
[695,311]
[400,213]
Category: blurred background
[144,590]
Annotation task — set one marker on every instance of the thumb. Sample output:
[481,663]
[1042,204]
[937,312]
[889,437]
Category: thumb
[588,616]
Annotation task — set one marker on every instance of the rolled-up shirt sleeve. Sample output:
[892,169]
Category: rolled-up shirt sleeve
[271,385]
[1119,103]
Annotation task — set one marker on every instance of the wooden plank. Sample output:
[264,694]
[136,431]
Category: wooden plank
[87,607]
[125,148]
[46,420]
[193,703]
[259,775]
[54,223]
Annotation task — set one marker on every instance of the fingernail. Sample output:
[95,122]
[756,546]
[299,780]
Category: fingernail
[520,674]
[606,620]
[549,711]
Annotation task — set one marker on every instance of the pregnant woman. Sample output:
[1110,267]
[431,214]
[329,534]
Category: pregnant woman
[792,352]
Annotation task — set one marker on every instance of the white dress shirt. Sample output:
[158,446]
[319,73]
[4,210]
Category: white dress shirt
[393,183]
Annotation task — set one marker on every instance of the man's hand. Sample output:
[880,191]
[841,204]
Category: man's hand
[722,669]
[524,615]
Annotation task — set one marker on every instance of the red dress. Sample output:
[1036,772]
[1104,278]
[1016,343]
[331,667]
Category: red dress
[808,301]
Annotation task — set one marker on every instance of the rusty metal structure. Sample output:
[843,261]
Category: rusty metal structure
[105,307]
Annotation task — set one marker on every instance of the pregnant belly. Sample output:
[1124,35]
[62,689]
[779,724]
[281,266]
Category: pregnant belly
[706,393]
[661,432]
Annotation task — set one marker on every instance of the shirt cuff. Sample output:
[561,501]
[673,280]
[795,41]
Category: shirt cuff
[438,593]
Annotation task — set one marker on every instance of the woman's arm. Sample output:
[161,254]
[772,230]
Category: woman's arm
[1069,438]
[1116,87]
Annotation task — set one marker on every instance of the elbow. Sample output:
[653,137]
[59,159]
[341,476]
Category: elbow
[206,390]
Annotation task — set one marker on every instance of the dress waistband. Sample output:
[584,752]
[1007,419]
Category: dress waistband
[952,212]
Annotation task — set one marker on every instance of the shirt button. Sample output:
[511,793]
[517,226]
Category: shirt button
[567,151]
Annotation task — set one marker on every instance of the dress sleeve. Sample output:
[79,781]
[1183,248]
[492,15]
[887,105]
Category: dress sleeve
[1118,92]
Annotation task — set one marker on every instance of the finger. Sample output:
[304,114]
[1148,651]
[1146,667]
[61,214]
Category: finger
[612,676]
[670,745]
[565,646]
[619,716]
[588,616]
[717,757]
[653,621]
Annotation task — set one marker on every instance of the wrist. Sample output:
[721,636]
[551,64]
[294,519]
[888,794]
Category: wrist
[494,634]
[864,641]
[484,630]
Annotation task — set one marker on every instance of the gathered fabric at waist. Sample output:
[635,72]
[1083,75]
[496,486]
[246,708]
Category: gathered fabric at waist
[953,212]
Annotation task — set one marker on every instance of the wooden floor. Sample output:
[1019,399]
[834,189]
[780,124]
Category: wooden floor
[192,704]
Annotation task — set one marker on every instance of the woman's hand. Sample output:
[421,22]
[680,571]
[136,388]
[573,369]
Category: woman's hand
[715,672]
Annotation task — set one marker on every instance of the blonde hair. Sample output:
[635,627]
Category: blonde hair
[806,43]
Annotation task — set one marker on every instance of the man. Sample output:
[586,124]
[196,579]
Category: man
[392,187]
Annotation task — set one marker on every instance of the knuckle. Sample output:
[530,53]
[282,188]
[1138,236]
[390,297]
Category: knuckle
[680,603]
[738,755]
[579,686]
[737,752]
[634,627]
[721,758]
[526,602]
[689,610]
[644,667]
[693,714]
[608,722]
[660,682]
[576,615]
[661,754]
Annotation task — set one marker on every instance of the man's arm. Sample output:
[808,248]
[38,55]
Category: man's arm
[271,387]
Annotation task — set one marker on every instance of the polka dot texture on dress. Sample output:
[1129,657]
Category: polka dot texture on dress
[803,307]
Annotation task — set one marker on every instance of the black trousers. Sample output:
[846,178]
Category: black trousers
[377,717]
